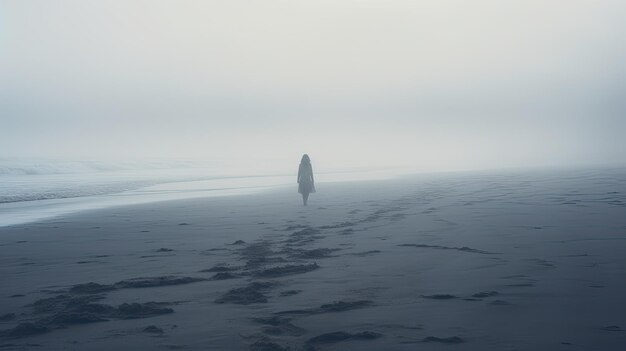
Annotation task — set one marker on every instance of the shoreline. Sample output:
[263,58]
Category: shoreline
[22,212]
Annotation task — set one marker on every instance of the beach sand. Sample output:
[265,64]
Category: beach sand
[475,261]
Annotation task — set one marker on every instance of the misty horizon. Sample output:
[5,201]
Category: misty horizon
[436,85]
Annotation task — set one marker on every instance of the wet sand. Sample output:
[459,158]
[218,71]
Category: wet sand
[488,261]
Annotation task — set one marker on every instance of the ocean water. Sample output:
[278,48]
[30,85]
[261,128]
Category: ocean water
[32,191]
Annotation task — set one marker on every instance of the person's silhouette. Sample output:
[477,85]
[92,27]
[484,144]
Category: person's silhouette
[306,184]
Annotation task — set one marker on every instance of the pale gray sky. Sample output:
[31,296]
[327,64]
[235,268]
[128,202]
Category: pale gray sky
[433,84]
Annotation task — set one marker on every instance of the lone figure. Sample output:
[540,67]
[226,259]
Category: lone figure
[306,184]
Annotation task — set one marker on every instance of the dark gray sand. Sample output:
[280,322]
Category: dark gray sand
[476,261]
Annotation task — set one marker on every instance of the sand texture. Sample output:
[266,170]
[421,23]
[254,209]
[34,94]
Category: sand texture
[478,261]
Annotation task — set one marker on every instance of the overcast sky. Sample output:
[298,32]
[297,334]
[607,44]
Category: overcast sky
[431,84]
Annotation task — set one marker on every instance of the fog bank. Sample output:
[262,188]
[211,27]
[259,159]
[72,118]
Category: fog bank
[428,85]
